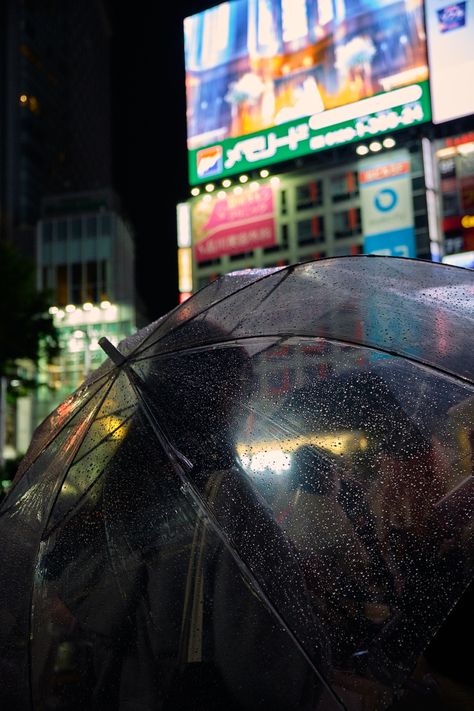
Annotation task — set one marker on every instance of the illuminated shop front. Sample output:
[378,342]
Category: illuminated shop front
[86,260]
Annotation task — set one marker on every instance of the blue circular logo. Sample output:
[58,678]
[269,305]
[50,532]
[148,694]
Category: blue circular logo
[385,199]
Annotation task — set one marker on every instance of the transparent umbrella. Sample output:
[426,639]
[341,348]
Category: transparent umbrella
[261,500]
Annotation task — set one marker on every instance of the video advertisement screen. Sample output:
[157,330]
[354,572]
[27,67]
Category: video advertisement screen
[270,80]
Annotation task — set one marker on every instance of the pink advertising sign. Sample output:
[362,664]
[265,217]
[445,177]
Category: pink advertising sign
[236,222]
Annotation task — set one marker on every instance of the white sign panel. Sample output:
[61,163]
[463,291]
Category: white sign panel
[450,28]
[387,204]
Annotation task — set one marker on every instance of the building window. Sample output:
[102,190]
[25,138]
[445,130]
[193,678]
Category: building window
[421,221]
[61,233]
[92,292]
[76,283]
[418,183]
[103,281]
[209,263]
[310,231]
[344,186]
[419,202]
[450,204]
[61,285]
[283,202]
[282,245]
[309,195]
[347,223]
[91,226]
[241,255]
[76,228]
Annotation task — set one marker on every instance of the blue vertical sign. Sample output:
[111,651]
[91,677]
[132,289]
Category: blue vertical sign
[387,204]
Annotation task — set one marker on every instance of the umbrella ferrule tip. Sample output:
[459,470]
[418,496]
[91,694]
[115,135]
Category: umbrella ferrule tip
[114,354]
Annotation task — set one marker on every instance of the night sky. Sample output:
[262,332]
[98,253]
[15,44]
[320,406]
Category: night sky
[149,137]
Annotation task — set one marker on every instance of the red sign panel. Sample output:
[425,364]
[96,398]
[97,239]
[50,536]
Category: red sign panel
[235,222]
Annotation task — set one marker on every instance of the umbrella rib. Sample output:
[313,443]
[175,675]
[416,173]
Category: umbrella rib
[178,460]
[54,435]
[287,270]
[45,528]
[88,488]
[63,478]
[281,338]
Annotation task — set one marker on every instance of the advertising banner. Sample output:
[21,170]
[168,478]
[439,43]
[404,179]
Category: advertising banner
[387,204]
[450,30]
[233,222]
[269,80]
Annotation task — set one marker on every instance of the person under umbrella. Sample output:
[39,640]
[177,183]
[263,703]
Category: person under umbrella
[168,618]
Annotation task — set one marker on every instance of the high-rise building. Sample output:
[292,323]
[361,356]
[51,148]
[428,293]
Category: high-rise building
[56,134]
[57,204]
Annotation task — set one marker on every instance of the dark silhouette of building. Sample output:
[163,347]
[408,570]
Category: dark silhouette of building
[55,104]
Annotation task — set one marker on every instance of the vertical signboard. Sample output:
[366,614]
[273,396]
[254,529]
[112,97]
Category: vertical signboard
[387,204]
[450,30]
[233,222]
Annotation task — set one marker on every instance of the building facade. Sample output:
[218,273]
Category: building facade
[337,116]
[56,188]
[55,98]
[85,258]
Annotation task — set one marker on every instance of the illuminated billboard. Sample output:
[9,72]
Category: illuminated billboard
[270,80]
[234,222]
[450,30]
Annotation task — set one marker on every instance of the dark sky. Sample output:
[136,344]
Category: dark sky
[149,123]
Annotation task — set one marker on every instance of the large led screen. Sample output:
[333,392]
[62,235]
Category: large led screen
[450,29]
[270,80]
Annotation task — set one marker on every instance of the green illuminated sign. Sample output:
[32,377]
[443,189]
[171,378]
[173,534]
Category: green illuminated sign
[364,119]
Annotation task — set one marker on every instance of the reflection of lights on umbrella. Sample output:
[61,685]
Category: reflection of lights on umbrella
[276,455]
[274,460]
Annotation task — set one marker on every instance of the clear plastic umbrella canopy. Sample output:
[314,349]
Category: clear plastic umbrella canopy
[263,500]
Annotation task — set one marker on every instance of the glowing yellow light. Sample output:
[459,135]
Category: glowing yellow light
[226,183]
[23,99]
[338,443]
[112,426]
[185,269]
[195,192]
[466,149]
[210,187]
[375,146]
[34,104]
[264,173]
[446,152]
[243,178]
[467,221]
[70,308]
